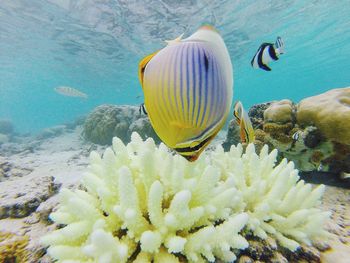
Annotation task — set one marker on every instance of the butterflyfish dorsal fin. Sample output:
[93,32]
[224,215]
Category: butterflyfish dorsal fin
[174,41]
[142,65]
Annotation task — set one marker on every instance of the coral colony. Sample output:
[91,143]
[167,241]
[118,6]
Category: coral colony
[141,202]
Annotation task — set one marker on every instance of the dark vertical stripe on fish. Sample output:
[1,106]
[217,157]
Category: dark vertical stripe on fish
[183,59]
[164,111]
[205,87]
[188,59]
[193,88]
[221,89]
[272,52]
[169,87]
[175,80]
[217,89]
[200,88]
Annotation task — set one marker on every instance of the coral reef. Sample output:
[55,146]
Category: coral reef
[13,247]
[107,121]
[51,132]
[32,191]
[143,203]
[256,114]
[329,112]
[279,112]
[314,133]
[277,203]
[10,171]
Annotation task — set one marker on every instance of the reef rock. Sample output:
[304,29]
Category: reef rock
[51,132]
[21,197]
[256,114]
[10,171]
[329,112]
[279,112]
[314,134]
[108,121]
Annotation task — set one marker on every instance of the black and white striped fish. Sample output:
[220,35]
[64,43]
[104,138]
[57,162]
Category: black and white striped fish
[142,109]
[266,53]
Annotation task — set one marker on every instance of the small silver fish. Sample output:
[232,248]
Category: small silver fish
[70,92]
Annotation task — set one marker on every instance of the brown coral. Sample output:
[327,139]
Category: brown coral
[279,132]
[329,112]
[317,157]
[279,112]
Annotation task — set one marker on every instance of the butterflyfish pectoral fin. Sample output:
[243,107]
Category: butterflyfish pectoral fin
[174,41]
[142,65]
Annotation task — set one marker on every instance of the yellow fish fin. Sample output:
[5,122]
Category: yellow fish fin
[237,112]
[246,128]
[142,65]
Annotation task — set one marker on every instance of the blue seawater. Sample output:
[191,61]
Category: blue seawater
[95,46]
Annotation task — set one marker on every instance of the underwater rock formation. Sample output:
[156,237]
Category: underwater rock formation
[314,133]
[329,112]
[17,203]
[11,171]
[108,121]
[51,132]
[141,202]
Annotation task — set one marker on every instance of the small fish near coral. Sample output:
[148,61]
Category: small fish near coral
[188,88]
[70,92]
[246,128]
[266,53]
[142,109]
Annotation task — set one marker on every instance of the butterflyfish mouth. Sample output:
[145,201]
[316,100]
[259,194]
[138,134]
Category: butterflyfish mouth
[191,153]
[191,158]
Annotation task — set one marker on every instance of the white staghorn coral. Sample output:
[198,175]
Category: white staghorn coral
[143,203]
[277,203]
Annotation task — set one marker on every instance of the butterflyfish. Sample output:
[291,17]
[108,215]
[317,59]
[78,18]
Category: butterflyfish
[142,109]
[70,92]
[188,89]
[266,53]
[247,133]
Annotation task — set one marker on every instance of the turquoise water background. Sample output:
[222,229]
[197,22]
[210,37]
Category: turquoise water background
[95,47]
